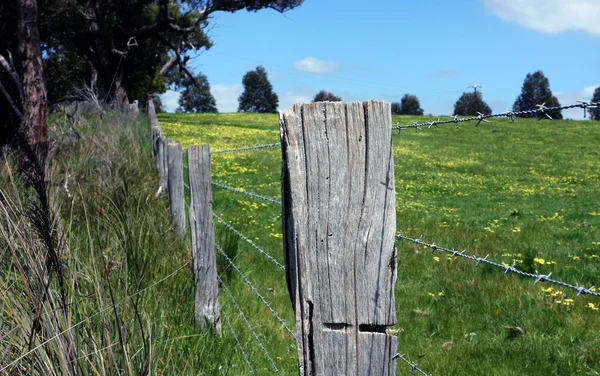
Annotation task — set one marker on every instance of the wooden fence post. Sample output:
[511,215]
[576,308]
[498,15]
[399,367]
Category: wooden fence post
[164,164]
[206,308]
[156,136]
[175,178]
[339,224]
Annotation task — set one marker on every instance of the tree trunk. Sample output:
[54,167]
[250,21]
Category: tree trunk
[34,124]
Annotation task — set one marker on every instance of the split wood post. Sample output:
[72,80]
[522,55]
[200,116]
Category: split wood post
[164,163]
[160,157]
[206,307]
[156,135]
[339,224]
[175,178]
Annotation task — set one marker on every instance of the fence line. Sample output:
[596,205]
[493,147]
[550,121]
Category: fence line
[230,227]
[542,109]
[246,148]
[248,324]
[413,366]
[281,321]
[538,277]
[252,194]
[237,340]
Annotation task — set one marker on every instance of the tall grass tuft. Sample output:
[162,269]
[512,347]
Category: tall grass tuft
[93,279]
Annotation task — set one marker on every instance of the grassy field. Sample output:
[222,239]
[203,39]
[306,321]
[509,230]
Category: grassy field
[523,192]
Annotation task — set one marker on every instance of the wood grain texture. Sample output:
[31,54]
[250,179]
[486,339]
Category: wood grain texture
[206,307]
[339,224]
[175,178]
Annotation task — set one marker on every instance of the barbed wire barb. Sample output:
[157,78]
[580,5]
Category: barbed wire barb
[413,366]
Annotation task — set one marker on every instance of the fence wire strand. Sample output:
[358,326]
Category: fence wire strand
[281,321]
[507,269]
[542,110]
[230,227]
[252,194]
[237,340]
[248,324]
[246,148]
[413,366]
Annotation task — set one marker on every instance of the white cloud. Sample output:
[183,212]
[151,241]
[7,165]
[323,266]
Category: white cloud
[570,97]
[297,95]
[549,16]
[312,65]
[227,96]
[169,100]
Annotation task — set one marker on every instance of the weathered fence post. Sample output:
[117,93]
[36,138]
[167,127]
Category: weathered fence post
[164,163]
[339,223]
[175,178]
[206,308]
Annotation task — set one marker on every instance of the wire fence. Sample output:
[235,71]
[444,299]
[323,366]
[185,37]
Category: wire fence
[247,148]
[413,366]
[262,298]
[245,238]
[541,110]
[251,194]
[506,268]
[243,316]
[237,341]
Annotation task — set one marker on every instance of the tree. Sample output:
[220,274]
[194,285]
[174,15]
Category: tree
[396,108]
[471,104]
[409,105]
[536,91]
[324,96]
[595,112]
[196,96]
[258,95]
[132,45]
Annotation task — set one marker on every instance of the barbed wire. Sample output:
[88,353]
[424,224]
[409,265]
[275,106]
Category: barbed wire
[281,321]
[542,109]
[252,194]
[237,340]
[230,227]
[248,324]
[246,148]
[413,366]
[538,277]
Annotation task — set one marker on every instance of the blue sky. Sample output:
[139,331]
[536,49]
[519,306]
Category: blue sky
[383,49]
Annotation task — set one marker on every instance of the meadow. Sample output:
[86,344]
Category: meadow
[524,193]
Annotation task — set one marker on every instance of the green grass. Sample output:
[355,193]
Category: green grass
[524,192]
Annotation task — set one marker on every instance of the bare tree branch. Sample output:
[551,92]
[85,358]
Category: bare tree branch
[179,60]
[10,101]
[10,69]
